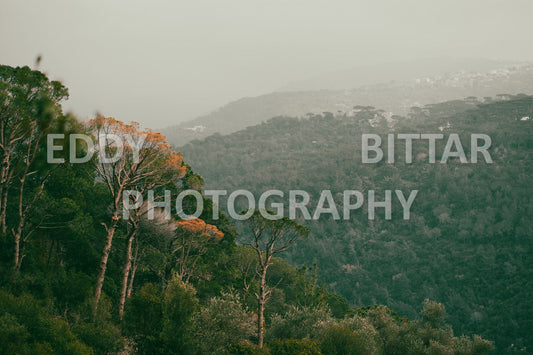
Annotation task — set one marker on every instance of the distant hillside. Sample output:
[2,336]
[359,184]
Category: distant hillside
[396,97]
[469,241]
[397,71]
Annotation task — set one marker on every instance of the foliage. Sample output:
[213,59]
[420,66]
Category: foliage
[342,340]
[102,338]
[143,319]
[299,323]
[246,349]
[26,327]
[223,321]
[159,321]
[294,346]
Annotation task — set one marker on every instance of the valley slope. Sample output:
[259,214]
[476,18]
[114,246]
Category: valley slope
[468,241]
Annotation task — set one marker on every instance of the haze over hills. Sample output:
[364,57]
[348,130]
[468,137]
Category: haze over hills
[386,72]
[468,239]
[491,79]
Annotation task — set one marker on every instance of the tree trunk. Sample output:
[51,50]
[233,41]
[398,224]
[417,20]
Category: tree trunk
[3,208]
[16,256]
[103,264]
[261,299]
[17,235]
[4,188]
[133,270]
[126,275]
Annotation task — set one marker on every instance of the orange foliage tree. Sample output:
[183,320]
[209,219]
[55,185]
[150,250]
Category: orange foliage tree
[129,159]
[192,238]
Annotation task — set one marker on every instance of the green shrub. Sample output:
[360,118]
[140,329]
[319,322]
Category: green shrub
[26,327]
[246,349]
[342,341]
[159,322]
[294,346]
[222,322]
[299,323]
[102,338]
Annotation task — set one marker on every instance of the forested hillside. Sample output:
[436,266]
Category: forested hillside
[469,239]
[396,97]
[81,274]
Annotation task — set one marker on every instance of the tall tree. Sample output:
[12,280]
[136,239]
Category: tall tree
[192,237]
[30,107]
[268,238]
[130,159]
[169,168]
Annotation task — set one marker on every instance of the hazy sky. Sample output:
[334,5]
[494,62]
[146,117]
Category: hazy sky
[161,62]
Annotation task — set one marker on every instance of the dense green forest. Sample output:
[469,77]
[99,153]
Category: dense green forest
[468,241]
[78,276]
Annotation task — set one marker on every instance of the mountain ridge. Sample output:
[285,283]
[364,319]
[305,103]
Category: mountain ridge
[397,98]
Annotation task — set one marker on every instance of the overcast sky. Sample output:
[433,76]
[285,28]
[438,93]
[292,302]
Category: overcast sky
[161,62]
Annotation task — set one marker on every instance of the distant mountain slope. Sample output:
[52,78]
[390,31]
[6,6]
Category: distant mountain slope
[469,241]
[396,71]
[396,97]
